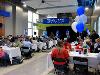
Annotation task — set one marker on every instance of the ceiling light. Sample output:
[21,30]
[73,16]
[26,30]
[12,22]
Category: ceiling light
[86,8]
[24,5]
[97,7]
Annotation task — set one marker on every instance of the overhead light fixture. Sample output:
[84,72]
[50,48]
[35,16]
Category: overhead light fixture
[24,5]
[87,8]
[97,7]
[23,2]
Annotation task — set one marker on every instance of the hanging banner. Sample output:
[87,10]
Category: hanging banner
[56,21]
[4,13]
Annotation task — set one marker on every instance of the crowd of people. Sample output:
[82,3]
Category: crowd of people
[60,54]
[31,44]
[60,47]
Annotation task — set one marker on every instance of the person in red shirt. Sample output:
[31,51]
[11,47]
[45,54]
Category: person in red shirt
[59,56]
[67,45]
[4,58]
[79,47]
[2,53]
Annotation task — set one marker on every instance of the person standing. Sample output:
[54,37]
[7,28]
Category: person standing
[94,36]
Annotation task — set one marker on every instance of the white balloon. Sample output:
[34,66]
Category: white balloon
[83,18]
[74,26]
[77,19]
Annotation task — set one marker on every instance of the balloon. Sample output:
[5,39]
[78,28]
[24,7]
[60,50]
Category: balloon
[80,10]
[74,26]
[83,18]
[77,19]
[80,27]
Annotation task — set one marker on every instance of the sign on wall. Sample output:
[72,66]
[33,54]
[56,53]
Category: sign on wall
[4,13]
[56,21]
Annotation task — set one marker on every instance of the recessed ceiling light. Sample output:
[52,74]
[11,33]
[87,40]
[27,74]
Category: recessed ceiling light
[86,8]
[97,7]
[23,2]
[24,5]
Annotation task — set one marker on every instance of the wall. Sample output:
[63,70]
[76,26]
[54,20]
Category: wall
[41,17]
[21,21]
[8,22]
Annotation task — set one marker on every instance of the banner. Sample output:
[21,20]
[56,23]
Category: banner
[4,13]
[56,21]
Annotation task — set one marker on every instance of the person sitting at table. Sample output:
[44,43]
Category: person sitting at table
[82,45]
[17,43]
[94,36]
[89,44]
[60,56]
[67,45]
[97,46]
[27,43]
[4,57]
[8,43]
[79,47]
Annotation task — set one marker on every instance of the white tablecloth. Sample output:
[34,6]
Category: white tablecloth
[92,59]
[12,52]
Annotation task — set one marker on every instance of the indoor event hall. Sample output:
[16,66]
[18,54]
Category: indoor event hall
[49,37]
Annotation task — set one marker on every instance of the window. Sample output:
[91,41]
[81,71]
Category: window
[29,25]
[32,20]
[99,26]
[95,26]
[29,32]
[29,16]
[35,17]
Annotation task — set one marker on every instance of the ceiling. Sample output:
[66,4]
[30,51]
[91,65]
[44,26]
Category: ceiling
[55,6]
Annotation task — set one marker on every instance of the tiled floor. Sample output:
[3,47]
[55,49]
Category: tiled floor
[37,65]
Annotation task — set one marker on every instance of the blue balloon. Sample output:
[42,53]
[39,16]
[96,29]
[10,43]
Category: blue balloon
[80,27]
[80,10]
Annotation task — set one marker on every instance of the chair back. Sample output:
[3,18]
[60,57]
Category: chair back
[25,49]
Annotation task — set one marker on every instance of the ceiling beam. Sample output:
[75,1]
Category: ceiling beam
[56,7]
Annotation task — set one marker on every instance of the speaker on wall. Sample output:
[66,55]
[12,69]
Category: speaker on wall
[34,33]
[0,25]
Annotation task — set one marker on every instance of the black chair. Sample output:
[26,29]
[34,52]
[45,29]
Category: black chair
[80,65]
[26,52]
[61,69]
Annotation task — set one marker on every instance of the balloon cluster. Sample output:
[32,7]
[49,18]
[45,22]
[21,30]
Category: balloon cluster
[80,20]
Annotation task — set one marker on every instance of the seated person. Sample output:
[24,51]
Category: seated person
[27,43]
[97,46]
[67,45]
[79,47]
[89,44]
[59,56]
[4,57]
[17,43]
